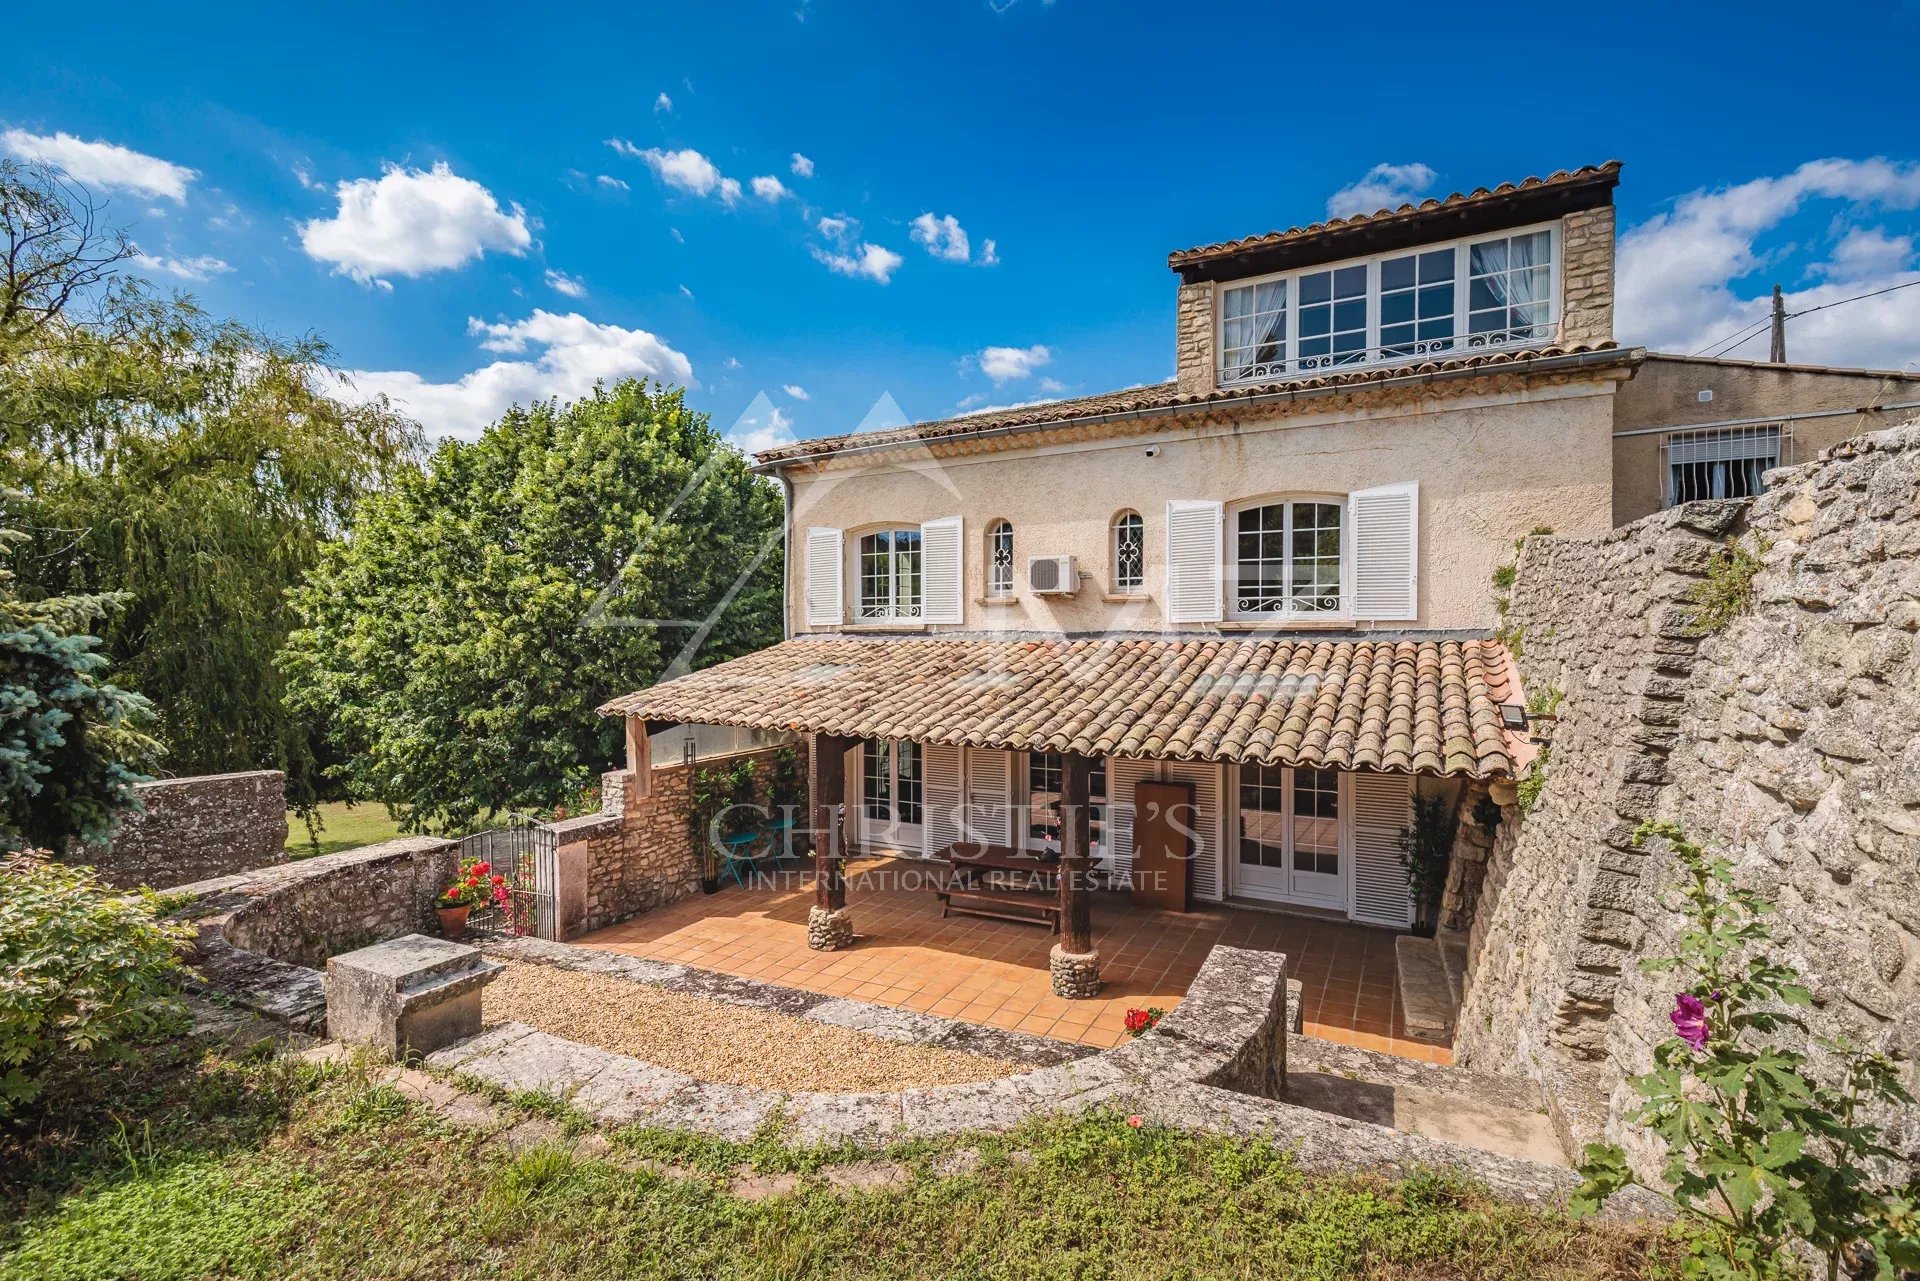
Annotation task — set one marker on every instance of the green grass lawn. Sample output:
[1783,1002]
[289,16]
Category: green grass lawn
[344,825]
[255,1167]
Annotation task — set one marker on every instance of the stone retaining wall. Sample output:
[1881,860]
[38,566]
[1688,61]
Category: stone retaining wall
[194,828]
[1785,742]
[264,935]
[649,860]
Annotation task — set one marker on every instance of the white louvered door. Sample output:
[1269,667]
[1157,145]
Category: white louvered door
[826,571]
[1382,805]
[1195,568]
[1123,774]
[1386,551]
[989,811]
[943,578]
[1205,776]
[943,783]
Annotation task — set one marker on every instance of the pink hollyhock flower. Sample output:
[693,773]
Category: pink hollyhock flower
[1690,1020]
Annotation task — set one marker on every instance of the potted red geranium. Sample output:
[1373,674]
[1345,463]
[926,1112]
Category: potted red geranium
[475,885]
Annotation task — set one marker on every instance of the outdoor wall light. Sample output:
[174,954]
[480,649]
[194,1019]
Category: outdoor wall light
[1513,716]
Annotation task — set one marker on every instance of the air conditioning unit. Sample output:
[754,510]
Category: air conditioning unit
[1052,576]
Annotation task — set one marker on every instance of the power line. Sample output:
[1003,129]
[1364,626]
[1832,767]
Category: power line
[1740,337]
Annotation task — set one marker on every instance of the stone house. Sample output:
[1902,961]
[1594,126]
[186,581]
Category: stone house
[1247,611]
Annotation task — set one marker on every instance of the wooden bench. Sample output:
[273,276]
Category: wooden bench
[957,895]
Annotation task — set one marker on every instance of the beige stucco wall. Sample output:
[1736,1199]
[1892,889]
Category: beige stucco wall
[1490,469]
[1665,392]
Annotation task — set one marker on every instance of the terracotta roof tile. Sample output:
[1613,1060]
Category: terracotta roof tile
[1398,704]
[1479,195]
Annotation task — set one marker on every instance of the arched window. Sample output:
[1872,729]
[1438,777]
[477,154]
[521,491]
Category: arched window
[1000,559]
[1129,553]
[1285,559]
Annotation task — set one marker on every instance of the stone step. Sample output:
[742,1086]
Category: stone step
[1426,999]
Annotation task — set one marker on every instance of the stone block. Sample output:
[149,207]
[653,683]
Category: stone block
[408,996]
[829,931]
[1076,975]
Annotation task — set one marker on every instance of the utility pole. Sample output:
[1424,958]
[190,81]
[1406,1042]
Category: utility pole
[1779,353]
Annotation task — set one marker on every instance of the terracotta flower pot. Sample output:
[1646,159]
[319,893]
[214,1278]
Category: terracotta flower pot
[453,921]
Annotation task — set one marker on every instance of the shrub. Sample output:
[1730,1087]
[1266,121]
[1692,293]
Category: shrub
[1727,590]
[1426,848]
[1764,1159]
[86,973]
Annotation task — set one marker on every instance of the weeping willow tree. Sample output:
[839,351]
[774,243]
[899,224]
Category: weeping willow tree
[191,466]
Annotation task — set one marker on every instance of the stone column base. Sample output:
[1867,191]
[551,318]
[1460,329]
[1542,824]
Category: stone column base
[829,931]
[1076,975]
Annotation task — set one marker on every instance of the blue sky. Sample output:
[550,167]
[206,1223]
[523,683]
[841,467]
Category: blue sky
[509,202]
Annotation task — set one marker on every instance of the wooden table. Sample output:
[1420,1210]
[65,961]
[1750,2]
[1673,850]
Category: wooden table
[1035,902]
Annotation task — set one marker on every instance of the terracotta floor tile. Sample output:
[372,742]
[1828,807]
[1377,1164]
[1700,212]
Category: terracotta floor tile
[995,972]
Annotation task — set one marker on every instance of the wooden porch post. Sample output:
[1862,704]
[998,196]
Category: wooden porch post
[1074,963]
[829,923]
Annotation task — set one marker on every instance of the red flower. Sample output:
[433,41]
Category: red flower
[481,869]
[497,879]
[1135,1121]
[1137,1021]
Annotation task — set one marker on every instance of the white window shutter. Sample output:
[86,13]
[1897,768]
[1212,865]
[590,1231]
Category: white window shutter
[942,786]
[943,580]
[1385,522]
[1195,572]
[989,813]
[826,572]
[1209,836]
[1382,806]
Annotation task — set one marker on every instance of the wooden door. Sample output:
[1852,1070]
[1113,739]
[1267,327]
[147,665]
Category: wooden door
[1164,820]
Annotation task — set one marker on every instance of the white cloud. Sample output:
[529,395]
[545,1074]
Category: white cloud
[611,183]
[1687,276]
[203,267]
[686,291]
[989,254]
[563,357]
[871,261]
[943,237]
[663,102]
[1862,253]
[770,189]
[798,393]
[841,229]
[762,425]
[732,363]
[303,174]
[1384,187]
[685,170]
[102,164]
[802,167]
[675,233]
[409,222]
[561,283]
[1004,364]
[1052,385]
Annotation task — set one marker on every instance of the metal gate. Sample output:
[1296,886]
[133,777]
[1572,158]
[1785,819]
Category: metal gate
[525,851]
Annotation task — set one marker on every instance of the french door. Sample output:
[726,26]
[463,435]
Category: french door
[1290,845]
[891,799]
[1040,816]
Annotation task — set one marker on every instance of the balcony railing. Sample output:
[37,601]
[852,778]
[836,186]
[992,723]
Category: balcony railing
[1453,347]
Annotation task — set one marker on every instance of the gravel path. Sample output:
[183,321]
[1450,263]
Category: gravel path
[719,1042]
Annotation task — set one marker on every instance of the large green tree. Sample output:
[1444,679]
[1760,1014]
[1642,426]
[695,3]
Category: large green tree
[459,641]
[191,466]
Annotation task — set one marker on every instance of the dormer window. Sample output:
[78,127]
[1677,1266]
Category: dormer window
[1439,301]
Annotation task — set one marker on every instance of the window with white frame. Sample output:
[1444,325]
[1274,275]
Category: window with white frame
[1000,559]
[891,782]
[1045,771]
[1287,559]
[1725,463]
[890,574]
[1477,293]
[1129,553]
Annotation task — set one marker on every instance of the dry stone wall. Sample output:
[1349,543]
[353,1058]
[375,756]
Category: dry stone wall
[195,828]
[1786,741]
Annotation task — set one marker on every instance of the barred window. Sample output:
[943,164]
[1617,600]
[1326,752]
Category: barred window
[1000,559]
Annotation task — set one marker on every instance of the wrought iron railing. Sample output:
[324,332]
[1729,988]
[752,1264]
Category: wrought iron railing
[1451,347]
